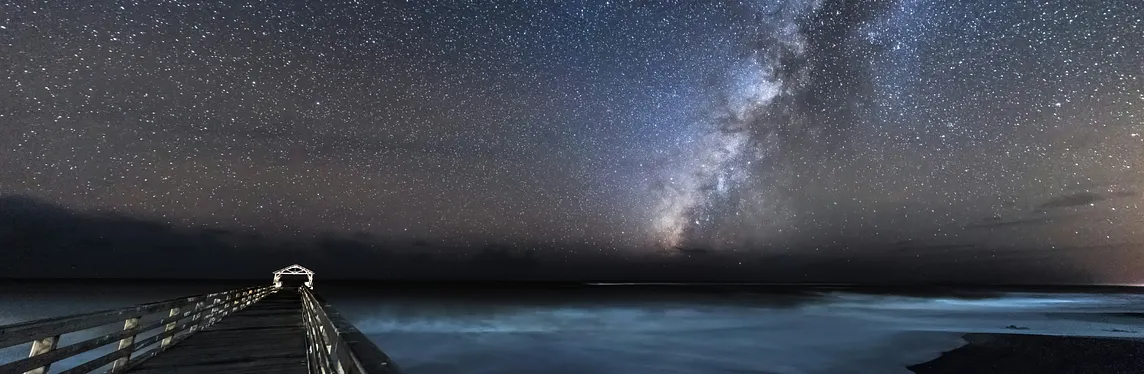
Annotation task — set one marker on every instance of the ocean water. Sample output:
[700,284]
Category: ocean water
[657,332]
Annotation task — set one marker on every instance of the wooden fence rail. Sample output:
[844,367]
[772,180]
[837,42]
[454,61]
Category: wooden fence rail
[336,346]
[183,317]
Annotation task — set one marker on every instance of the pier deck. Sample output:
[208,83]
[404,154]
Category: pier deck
[267,337]
[268,329]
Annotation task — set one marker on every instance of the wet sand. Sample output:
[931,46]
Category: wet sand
[1019,353]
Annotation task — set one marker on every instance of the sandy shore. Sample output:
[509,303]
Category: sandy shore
[1017,353]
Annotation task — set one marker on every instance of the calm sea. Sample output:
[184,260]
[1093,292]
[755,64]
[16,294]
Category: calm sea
[629,331]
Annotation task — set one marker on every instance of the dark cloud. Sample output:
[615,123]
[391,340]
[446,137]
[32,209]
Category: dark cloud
[95,245]
[1071,200]
[999,223]
[1083,198]
[1121,194]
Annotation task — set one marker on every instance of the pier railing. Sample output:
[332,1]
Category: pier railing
[184,316]
[336,346]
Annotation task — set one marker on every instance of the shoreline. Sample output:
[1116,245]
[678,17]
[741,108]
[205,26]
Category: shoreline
[1042,354]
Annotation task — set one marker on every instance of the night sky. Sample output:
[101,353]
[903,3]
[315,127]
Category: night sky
[903,129]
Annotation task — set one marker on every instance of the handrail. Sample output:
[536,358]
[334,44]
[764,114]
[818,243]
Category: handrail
[45,333]
[24,332]
[336,346]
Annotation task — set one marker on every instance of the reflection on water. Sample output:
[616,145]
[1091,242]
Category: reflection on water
[659,332]
[828,333]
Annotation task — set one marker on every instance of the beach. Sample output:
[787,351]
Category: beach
[1024,353]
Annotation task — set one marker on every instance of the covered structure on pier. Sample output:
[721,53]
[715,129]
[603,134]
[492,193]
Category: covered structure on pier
[294,270]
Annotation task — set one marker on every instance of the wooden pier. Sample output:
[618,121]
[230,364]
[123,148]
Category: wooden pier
[271,329]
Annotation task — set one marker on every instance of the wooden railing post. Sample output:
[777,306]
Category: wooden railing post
[214,305]
[40,347]
[170,326]
[198,312]
[129,341]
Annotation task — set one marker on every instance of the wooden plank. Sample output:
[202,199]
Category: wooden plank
[297,342]
[265,365]
[212,357]
[208,337]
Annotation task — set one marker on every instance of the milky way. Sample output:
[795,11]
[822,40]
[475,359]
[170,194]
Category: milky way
[752,126]
[846,124]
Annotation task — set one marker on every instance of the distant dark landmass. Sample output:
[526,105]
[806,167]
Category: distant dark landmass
[1039,354]
[43,240]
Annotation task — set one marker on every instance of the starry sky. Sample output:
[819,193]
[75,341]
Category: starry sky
[916,128]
